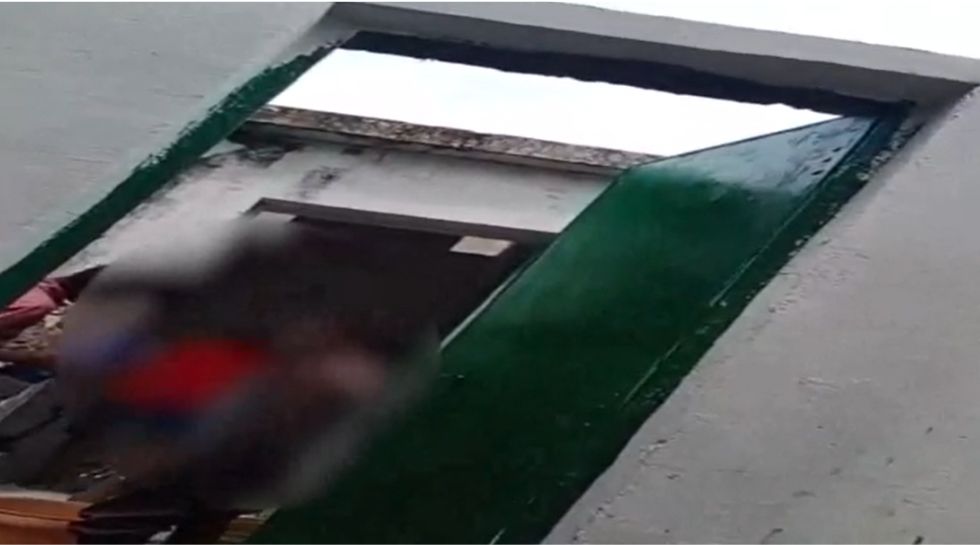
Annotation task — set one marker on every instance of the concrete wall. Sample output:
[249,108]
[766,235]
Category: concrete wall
[90,90]
[782,60]
[841,407]
[233,179]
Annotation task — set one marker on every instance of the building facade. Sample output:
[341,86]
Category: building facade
[824,390]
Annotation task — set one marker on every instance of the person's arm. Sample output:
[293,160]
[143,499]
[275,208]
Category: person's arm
[30,308]
[43,359]
[13,320]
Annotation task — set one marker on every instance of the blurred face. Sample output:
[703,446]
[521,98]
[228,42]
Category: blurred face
[348,371]
[331,364]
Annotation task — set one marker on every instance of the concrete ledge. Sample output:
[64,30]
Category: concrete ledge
[879,73]
[368,131]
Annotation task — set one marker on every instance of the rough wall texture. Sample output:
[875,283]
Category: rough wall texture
[232,179]
[342,128]
[841,407]
[88,91]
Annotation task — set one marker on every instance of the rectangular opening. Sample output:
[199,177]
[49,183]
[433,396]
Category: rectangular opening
[617,109]
[640,74]
[456,266]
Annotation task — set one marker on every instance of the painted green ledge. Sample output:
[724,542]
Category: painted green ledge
[542,390]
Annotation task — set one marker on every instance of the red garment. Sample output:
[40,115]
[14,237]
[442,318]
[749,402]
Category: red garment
[188,375]
[31,307]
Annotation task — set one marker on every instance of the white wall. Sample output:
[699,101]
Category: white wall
[88,91]
[401,182]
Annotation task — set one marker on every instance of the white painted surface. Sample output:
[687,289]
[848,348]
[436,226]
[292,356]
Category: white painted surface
[842,406]
[940,26]
[410,183]
[850,68]
[88,91]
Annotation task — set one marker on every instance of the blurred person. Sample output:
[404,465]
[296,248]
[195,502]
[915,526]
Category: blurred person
[45,297]
[29,311]
[243,387]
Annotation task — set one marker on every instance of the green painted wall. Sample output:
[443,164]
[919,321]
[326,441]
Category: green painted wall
[542,390]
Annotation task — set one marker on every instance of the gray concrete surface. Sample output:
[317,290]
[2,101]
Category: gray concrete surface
[88,91]
[842,406]
[374,132]
[849,68]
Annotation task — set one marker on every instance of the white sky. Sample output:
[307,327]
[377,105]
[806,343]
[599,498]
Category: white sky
[617,116]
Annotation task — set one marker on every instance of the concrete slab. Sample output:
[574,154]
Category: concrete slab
[90,91]
[773,58]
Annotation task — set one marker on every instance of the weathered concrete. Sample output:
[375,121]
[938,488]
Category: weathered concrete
[774,58]
[358,130]
[89,91]
[419,182]
[841,407]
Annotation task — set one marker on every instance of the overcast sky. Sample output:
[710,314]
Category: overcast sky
[617,116]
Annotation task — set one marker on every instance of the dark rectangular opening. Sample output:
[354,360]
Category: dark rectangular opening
[455,267]
[451,275]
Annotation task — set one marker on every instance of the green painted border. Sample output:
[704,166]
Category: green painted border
[154,172]
[432,479]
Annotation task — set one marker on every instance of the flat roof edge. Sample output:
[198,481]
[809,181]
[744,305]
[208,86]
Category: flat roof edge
[359,130]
